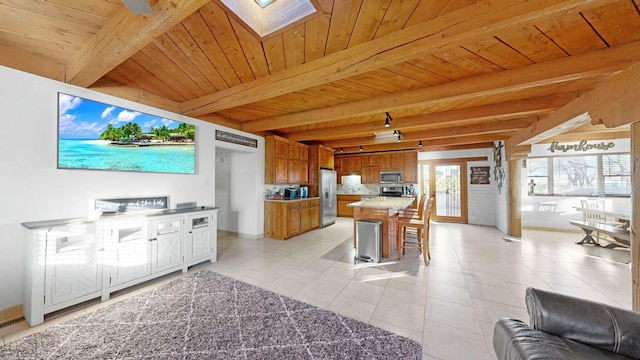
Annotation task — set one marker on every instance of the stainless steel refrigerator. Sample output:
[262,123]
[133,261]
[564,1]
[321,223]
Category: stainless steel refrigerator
[328,198]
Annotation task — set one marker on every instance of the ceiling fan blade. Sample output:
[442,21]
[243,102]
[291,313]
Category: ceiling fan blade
[138,6]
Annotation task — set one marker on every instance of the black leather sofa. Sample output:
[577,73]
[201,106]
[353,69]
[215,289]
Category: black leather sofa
[565,327]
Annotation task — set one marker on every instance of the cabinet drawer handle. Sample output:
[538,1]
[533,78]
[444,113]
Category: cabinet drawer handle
[153,239]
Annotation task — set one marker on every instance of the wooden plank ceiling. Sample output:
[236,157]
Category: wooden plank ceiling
[451,73]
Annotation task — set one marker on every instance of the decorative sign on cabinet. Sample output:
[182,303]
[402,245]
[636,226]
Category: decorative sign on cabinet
[72,261]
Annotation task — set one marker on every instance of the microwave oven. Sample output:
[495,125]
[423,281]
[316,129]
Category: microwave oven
[391,177]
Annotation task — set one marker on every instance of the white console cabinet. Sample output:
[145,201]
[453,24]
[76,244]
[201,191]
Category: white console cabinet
[72,261]
[201,240]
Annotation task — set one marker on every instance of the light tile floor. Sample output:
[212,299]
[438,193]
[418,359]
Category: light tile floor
[476,276]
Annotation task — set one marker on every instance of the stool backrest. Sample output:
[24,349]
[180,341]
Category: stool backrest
[421,205]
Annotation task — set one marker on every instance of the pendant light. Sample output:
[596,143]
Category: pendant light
[387,120]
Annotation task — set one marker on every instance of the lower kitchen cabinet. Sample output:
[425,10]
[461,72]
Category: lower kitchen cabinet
[287,218]
[343,201]
[314,213]
[71,262]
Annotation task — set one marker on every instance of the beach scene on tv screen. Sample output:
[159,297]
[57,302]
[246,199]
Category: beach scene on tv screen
[97,136]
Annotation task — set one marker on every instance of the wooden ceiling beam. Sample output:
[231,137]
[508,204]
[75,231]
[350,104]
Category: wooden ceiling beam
[501,111]
[136,95]
[482,129]
[485,18]
[615,102]
[123,36]
[504,84]
[391,141]
[424,148]
[606,104]
[623,133]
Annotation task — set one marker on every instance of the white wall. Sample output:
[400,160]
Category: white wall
[223,189]
[33,189]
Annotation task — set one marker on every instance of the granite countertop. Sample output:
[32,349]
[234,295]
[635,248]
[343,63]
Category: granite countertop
[32,225]
[284,200]
[385,202]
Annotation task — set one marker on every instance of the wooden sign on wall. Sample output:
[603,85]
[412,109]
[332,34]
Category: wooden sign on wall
[236,139]
[480,175]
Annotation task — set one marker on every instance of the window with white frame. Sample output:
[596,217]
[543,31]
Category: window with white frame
[580,175]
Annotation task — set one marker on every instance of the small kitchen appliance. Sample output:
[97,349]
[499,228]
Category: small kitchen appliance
[395,191]
[304,192]
[290,193]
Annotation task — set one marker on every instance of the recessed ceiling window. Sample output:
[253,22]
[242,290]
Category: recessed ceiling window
[267,16]
[264,3]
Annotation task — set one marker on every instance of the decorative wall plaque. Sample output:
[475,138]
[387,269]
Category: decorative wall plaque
[236,139]
[480,174]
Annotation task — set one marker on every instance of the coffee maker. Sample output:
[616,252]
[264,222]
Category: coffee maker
[304,192]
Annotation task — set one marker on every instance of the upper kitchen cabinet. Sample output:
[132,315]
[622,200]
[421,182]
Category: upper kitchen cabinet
[320,157]
[410,167]
[286,162]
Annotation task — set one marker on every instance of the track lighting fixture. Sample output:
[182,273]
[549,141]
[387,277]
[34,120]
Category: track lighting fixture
[341,149]
[360,147]
[387,120]
[420,143]
[397,133]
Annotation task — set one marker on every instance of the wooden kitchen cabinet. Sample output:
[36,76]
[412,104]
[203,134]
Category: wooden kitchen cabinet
[285,162]
[385,162]
[410,167]
[305,216]
[293,218]
[320,157]
[343,201]
[356,165]
[396,161]
[314,213]
[370,174]
[287,218]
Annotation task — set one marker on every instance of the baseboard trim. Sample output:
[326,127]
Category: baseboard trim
[11,315]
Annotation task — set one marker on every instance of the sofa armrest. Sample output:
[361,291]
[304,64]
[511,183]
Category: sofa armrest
[595,324]
[515,340]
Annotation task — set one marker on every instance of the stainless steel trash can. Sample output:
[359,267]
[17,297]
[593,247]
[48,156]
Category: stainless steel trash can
[369,240]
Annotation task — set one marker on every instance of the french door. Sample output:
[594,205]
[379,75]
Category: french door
[445,182]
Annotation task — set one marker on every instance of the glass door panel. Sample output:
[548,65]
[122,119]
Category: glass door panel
[447,189]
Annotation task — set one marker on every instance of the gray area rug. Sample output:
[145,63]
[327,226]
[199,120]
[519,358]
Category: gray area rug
[210,316]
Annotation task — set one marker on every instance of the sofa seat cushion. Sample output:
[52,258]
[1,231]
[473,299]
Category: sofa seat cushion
[515,340]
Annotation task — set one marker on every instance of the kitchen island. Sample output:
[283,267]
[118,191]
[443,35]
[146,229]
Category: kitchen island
[385,209]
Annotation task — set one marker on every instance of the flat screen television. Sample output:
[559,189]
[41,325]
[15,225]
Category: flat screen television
[97,136]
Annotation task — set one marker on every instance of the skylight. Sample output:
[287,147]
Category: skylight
[265,19]
[264,3]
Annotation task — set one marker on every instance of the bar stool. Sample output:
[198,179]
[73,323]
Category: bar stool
[416,213]
[422,231]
